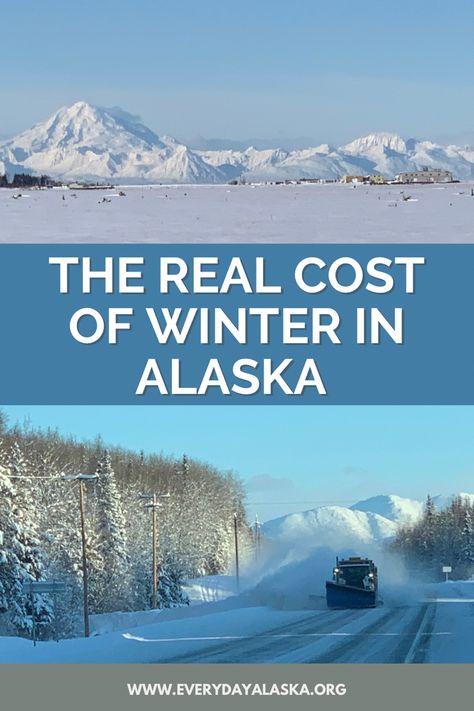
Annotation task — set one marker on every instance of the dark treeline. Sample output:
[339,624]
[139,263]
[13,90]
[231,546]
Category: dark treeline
[440,538]
[24,180]
[39,519]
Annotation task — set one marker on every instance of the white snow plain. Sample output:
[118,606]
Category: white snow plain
[309,213]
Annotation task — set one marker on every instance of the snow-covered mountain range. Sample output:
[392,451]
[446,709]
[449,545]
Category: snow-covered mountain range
[84,141]
[366,522]
[87,142]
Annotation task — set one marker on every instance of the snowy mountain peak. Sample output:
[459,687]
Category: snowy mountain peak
[377,141]
[390,506]
[85,141]
[84,125]
[79,107]
[330,524]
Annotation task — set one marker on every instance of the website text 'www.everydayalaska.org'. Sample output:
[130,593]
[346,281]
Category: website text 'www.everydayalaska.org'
[236,689]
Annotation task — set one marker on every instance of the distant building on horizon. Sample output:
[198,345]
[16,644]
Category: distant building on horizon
[370,179]
[352,179]
[376,180]
[425,175]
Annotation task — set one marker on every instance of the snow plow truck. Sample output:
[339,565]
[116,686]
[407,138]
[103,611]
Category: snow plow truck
[354,584]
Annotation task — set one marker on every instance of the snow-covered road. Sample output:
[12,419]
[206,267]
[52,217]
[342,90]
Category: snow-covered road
[437,627]
[385,634]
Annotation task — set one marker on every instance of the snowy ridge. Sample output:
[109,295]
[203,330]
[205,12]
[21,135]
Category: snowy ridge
[331,525]
[377,143]
[393,507]
[88,142]
[367,522]
[441,502]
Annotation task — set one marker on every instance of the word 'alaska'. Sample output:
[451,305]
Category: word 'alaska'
[246,377]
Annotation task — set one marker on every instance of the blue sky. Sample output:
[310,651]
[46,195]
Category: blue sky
[327,71]
[292,458]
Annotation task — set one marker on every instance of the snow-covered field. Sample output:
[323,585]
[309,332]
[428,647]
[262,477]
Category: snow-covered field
[309,213]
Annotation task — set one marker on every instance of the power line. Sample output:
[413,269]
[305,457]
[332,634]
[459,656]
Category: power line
[40,478]
[299,503]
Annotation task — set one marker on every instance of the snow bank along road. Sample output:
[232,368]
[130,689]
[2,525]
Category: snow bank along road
[437,629]
[246,213]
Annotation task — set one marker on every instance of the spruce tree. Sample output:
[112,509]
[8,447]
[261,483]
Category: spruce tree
[11,575]
[467,537]
[21,559]
[111,541]
[171,578]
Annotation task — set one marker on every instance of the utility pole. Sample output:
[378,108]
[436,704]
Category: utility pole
[84,560]
[236,543]
[154,600]
[257,537]
[81,479]
[153,505]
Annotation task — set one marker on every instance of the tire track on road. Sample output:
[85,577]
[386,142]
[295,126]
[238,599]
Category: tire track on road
[346,650]
[265,646]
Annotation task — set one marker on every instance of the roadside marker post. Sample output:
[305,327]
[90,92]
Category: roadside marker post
[43,587]
[447,569]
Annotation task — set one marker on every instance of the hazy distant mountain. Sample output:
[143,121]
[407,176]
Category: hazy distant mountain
[84,141]
[221,144]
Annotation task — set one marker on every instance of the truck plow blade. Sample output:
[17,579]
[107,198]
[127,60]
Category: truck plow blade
[347,596]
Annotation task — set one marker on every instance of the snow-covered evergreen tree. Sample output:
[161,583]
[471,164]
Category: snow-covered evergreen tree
[11,575]
[171,578]
[185,465]
[467,537]
[21,558]
[440,538]
[111,540]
